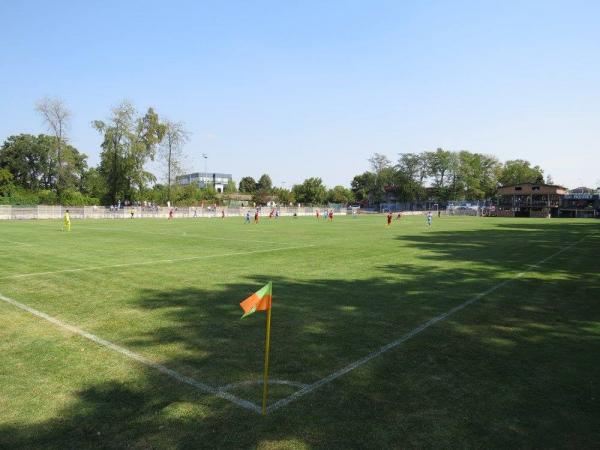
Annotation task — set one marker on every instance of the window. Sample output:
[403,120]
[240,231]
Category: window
[518,188]
[535,188]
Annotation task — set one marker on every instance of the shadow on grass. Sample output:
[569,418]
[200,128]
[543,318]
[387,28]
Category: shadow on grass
[518,370]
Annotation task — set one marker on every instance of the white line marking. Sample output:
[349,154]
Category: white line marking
[18,243]
[157,261]
[202,387]
[228,387]
[344,370]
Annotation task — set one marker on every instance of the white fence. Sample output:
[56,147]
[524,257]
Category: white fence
[100,212]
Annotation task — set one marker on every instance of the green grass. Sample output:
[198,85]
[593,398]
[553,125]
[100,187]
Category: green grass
[519,368]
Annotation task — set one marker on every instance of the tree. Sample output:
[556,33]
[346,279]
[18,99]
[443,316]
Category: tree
[56,116]
[438,166]
[311,191]
[247,185]
[362,185]
[231,187]
[129,141]
[33,164]
[5,182]
[520,171]
[406,188]
[93,183]
[413,166]
[171,153]
[264,183]
[340,194]
[284,196]
[379,162]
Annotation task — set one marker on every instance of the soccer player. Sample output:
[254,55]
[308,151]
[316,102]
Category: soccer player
[247,217]
[429,218]
[256,216]
[331,215]
[170,214]
[399,216]
[318,214]
[389,218]
[67,221]
[222,214]
[132,212]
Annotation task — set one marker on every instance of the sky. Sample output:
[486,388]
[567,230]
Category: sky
[313,88]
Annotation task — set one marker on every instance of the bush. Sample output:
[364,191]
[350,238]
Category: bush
[14,195]
[47,197]
[71,197]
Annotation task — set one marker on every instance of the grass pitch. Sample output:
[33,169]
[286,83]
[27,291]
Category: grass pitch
[518,368]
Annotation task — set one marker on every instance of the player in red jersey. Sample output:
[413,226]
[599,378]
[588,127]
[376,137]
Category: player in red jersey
[389,218]
[256,216]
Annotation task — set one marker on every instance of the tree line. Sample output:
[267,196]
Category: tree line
[441,176]
[47,169]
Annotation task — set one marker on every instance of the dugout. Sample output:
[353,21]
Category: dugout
[530,200]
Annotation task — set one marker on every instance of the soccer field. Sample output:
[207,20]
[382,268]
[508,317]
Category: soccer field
[476,332]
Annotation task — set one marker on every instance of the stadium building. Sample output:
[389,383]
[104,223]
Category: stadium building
[530,200]
[580,202]
[203,179]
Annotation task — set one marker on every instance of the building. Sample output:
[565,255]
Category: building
[580,202]
[203,179]
[530,200]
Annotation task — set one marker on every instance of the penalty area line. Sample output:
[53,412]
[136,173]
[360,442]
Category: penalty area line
[158,261]
[356,364]
[202,387]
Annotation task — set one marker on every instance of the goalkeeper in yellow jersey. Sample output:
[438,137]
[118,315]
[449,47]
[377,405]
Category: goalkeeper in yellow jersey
[67,221]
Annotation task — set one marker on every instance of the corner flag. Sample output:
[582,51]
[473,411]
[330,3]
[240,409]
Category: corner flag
[261,301]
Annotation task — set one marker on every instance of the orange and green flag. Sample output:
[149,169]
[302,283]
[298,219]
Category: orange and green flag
[259,301]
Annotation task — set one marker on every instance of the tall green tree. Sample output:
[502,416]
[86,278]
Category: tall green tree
[231,187]
[33,163]
[340,194]
[264,183]
[284,196]
[311,191]
[362,185]
[379,162]
[56,117]
[171,151]
[520,171]
[247,185]
[413,165]
[129,142]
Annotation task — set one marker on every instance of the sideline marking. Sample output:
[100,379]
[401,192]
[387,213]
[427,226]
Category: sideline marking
[137,357]
[359,362]
[158,261]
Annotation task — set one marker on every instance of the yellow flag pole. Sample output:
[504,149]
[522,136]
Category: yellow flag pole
[267,348]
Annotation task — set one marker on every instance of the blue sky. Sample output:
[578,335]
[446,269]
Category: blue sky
[301,88]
